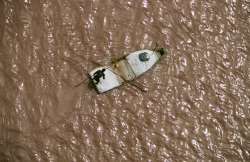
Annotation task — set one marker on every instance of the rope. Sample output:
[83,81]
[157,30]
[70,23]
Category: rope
[128,81]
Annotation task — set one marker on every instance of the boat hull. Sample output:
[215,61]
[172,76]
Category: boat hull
[126,68]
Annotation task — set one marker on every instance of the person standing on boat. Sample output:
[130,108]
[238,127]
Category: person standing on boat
[97,75]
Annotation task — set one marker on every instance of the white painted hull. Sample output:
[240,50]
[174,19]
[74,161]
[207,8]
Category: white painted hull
[130,67]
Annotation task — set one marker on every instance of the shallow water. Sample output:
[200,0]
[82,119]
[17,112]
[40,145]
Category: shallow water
[197,103]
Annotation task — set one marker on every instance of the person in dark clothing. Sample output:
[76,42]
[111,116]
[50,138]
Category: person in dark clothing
[98,74]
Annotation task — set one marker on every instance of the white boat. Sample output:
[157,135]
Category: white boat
[126,68]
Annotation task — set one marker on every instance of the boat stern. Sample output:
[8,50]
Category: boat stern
[111,80]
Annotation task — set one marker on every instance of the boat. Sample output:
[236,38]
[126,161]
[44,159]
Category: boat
[126,68]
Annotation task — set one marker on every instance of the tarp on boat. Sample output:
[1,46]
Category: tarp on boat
[126,68]
[139,66]
[111,80]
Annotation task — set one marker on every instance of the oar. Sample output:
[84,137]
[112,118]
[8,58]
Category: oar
[81,82]
[156,45]
[95,62]
[118,75]
[128,81]
[138,87]
[87,78]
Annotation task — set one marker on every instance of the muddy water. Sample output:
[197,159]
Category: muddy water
[197,104]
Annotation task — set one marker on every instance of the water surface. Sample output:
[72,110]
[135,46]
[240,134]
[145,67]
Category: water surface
[197,104]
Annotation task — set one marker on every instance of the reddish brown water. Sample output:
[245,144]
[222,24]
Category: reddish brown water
[198,99]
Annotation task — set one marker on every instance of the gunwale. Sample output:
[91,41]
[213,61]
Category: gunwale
[123,57]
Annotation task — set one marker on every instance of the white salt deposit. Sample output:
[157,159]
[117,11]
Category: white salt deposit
[137,65]
[108,83]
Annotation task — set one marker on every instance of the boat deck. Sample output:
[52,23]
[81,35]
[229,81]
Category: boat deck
[137,65]
[130,67]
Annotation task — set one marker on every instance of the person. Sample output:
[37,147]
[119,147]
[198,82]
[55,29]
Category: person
[98,74]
